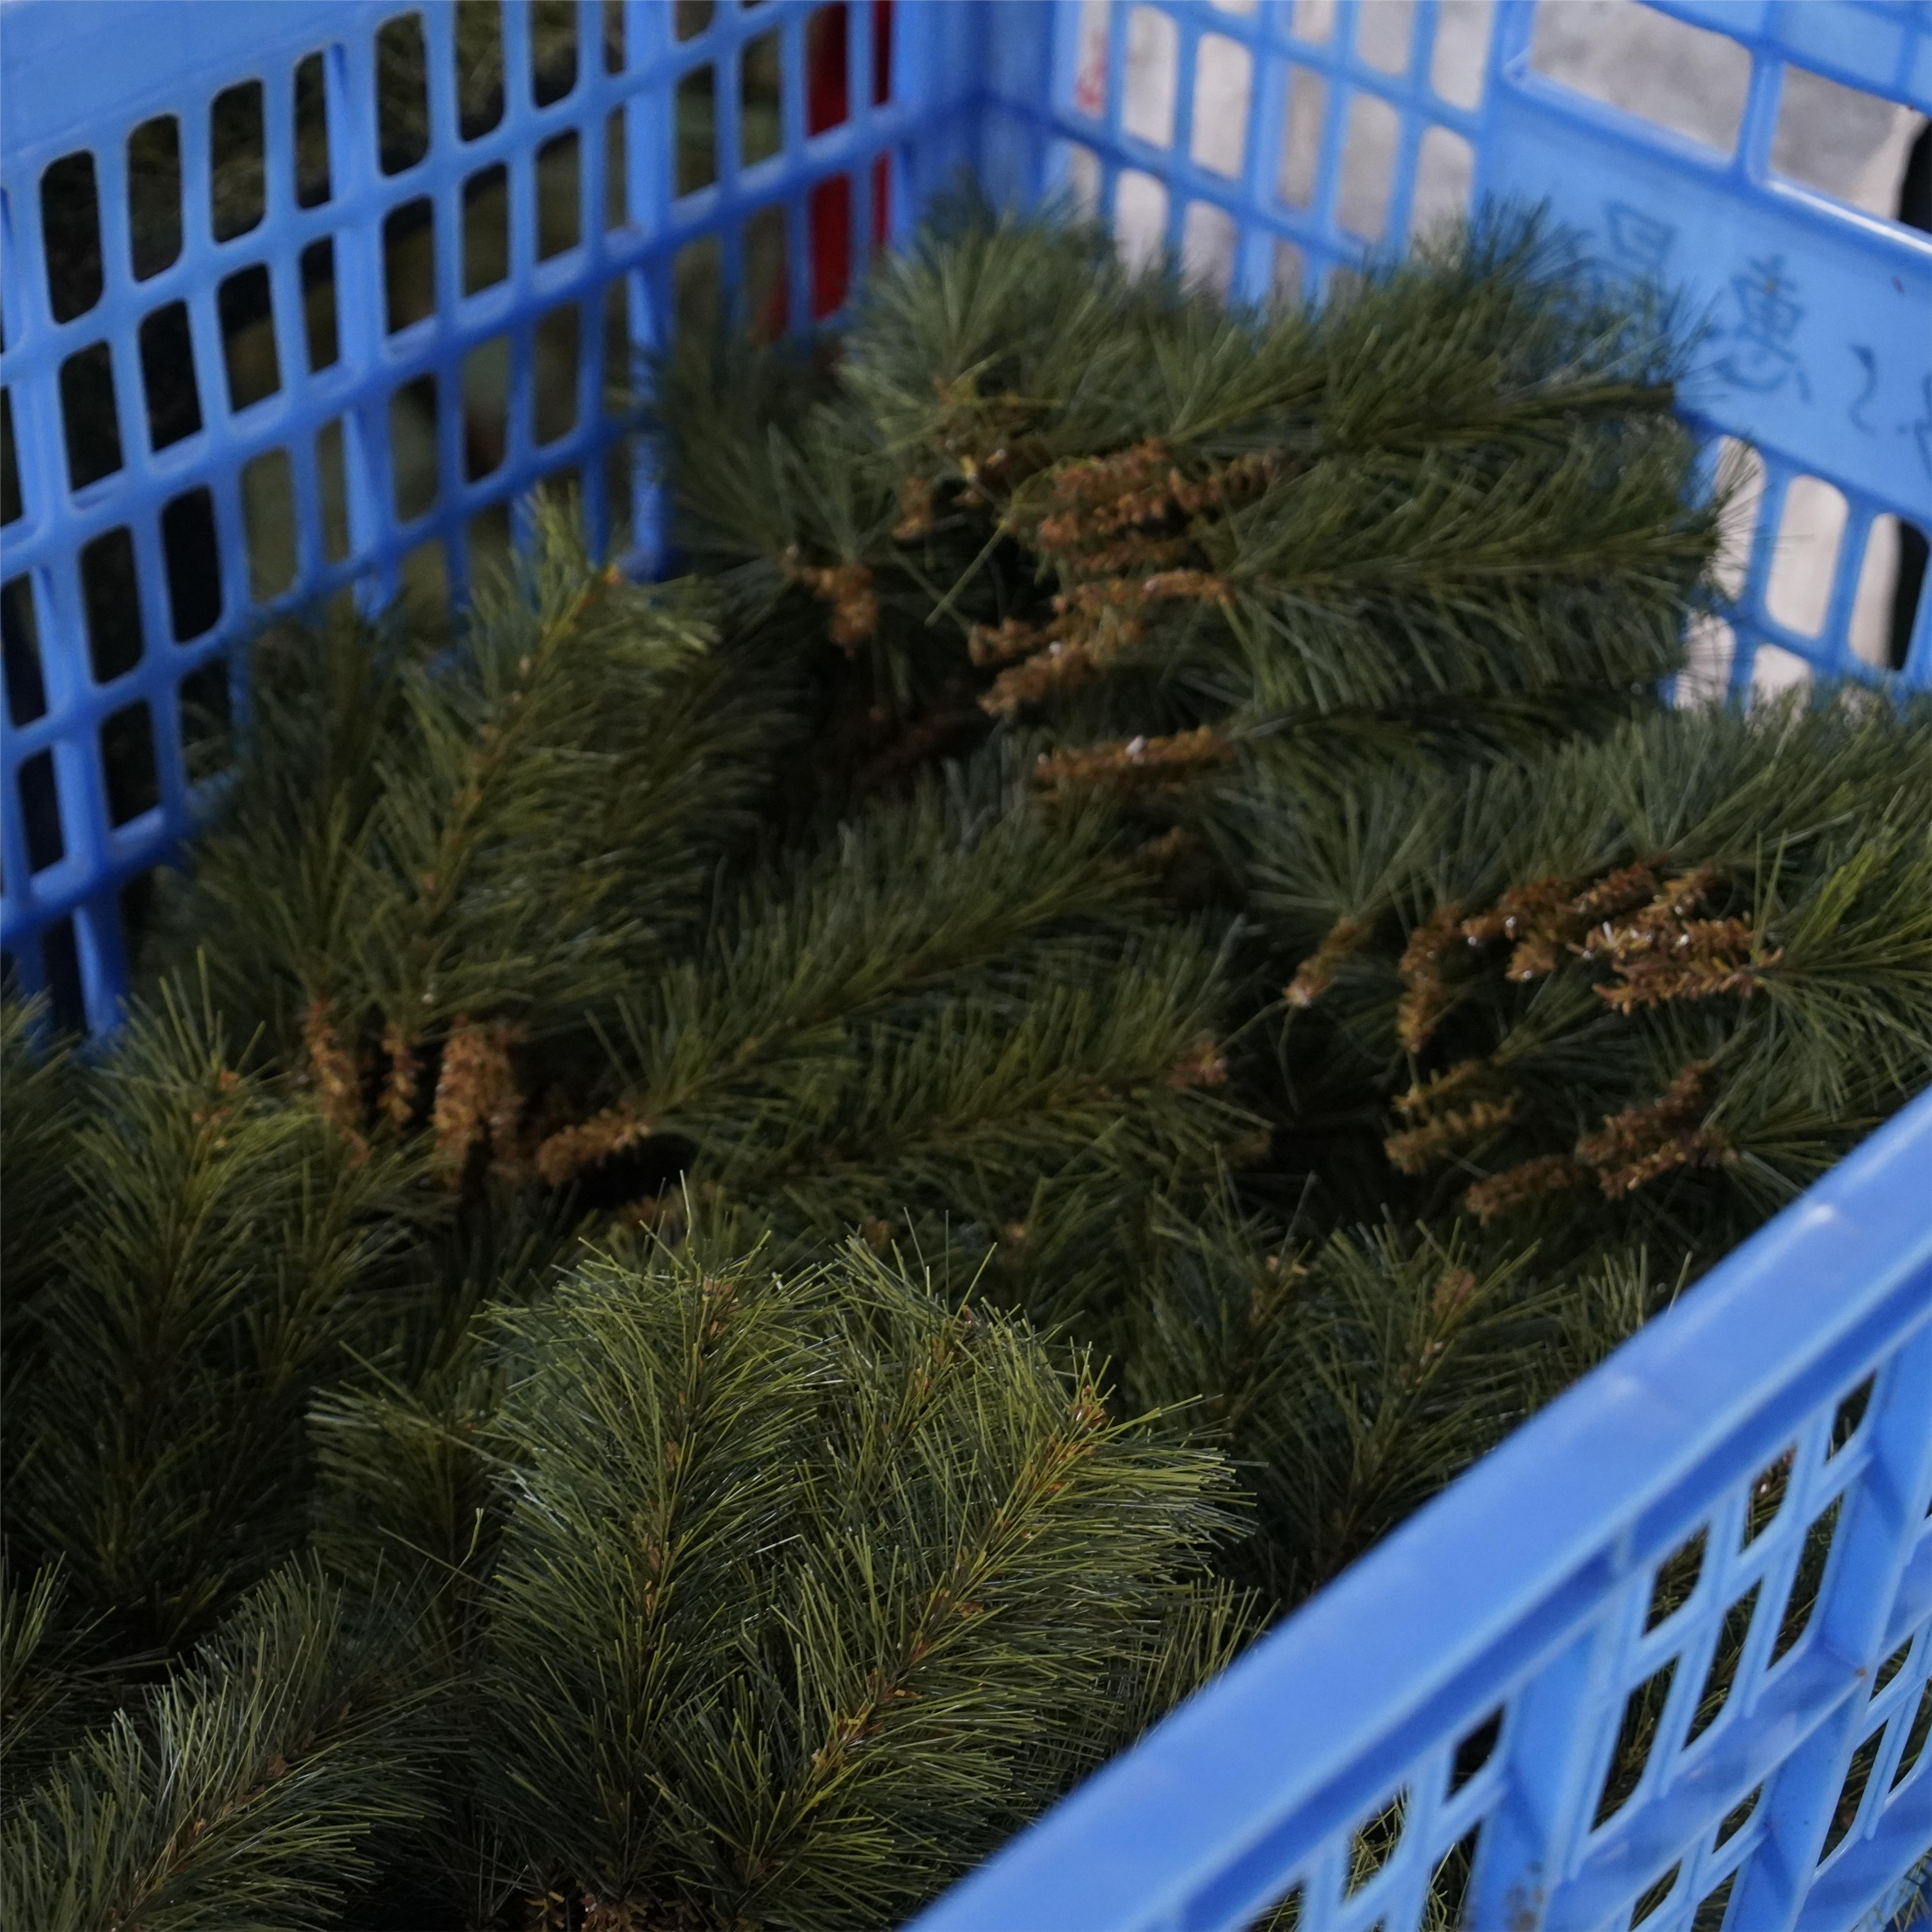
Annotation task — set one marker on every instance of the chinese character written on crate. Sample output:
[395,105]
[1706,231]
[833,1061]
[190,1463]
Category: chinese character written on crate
[1919,429]
[1759,356]
[1868,362]
[1638,241]
[1639,244]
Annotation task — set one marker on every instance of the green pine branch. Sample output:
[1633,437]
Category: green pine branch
[375,856]
[891,1578]
[231,1250]
[256,1785]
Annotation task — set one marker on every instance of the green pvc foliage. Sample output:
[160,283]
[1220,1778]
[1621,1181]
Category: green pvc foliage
[1348,1378]
[48,1693]
[253,1787]
[231,1250]
[1475,527]
[46,1101]
[1809,866]
[890,1579]
[958,994]
[1167,818]
[376,852]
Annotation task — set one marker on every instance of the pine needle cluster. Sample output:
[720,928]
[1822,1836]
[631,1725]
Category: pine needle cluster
[368,892]
[1654,983]
[1450,513]
[890,1579]
[226,1254]
[257,1785]
[743,1222]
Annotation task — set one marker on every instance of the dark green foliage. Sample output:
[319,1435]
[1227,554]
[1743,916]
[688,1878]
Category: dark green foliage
[43,1110]
[891,1581]
[1449,513]
[250,1789]
[49,1694]
[958,994]
[1167,818]
[374,870]
[1350,1378]
[230,1253]
[1657,983]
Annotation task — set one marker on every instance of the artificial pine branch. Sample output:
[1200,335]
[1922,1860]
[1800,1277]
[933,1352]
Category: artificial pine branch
[368,891]
[892,1578]
[47,1098]
[1672,972]
[1453,512]
[1348,1378]
[253,1787]
[982,1099]
[232,1248]
[949,996]
[51,1689]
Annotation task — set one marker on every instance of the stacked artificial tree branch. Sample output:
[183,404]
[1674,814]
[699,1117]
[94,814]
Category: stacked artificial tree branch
[748,1220]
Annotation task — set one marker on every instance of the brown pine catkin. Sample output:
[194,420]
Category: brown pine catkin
[337,1077]
[567,1153]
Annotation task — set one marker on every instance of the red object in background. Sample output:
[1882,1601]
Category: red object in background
[828,207]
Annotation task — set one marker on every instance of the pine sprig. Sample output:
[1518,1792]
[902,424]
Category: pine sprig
[253,1787]
[371,875]
[51,1689]
[874,1539]
[981,1100]
[1661,971]
[232,1248]
[948,996]
[47,1098]
[1348,1378]
[1453,512]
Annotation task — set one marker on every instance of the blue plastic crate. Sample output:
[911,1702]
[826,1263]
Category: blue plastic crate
[130,567]
[131,572]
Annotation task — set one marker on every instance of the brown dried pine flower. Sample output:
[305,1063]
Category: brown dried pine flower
[1412,1150]
[988,645]
[1426,1095]
[405,1072]
[568,1152]
[1059,668]
[1453,1288]
[1547,1174]
[1207,1066]
[1138,762]
[848,589]
[1316,973]
[1425,993]
[1541,907]
[1617,893]
[338,1077]
[476,1095]
[1642,1142]
[916,495]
